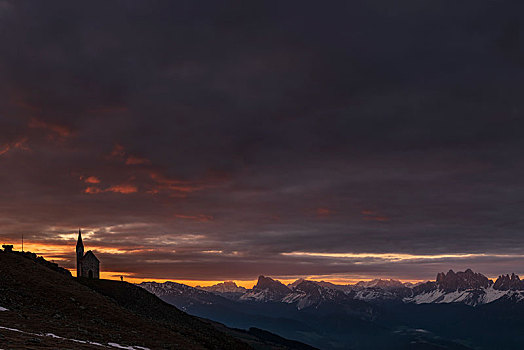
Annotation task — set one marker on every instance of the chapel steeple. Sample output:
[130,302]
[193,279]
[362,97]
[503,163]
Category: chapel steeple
[79,254]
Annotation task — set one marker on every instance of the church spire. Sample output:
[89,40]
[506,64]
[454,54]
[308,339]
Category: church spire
[79,254]
[79,242]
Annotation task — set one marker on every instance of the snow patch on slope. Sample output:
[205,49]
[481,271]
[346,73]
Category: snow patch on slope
[262,295]
[302,299]
[293,297]
[492,295]
[425,298]
[373,294]
[471,297]
[51,335]
[115,345]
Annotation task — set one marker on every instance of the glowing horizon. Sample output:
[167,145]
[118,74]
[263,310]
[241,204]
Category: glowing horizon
[56,252]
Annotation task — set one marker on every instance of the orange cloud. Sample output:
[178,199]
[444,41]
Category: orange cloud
[60,130]
[92,180]
[164,180]
[132,160]
[118,151]
[370,215]
[323,212]
[92,190]
[20,144]
[4,149]
[124,189]
[165,183]
[160,183]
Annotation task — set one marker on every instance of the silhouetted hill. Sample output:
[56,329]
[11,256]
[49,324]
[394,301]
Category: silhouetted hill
[83,314]
[146,304]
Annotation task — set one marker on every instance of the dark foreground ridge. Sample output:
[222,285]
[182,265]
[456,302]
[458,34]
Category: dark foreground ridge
[47,308]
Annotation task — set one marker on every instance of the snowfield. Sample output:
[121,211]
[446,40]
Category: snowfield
[472,297]
[3,309]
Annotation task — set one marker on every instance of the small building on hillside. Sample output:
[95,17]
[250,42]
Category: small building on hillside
[87,265]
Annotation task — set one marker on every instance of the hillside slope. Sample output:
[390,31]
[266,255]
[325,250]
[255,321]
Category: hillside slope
[42,306]
[145,304]
[40,300]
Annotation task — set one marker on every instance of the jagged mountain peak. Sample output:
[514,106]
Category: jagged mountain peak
[308,286]
[296,283]
[266,289]
[271,284]
[509,282]
[452,281]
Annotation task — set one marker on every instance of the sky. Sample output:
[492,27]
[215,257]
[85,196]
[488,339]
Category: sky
[208,141]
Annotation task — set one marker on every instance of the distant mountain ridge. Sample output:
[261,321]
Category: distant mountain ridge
[466,287]
[381,311]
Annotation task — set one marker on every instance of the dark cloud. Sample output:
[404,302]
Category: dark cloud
[207,139]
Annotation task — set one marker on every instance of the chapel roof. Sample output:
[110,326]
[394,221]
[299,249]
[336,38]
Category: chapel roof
[90,255]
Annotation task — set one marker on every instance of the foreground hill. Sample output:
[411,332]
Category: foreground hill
[42,306]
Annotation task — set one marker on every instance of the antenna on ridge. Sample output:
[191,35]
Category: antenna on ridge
[22,242]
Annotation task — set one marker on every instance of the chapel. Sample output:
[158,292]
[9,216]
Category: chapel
[87,265]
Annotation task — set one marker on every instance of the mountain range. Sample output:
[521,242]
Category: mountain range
[374,314]
[465,287]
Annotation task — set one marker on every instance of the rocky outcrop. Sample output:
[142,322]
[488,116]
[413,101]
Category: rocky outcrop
[459,281]
[271,284]
[267,289]
[507,282]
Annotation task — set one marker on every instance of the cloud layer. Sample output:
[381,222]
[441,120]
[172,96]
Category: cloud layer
[224,140]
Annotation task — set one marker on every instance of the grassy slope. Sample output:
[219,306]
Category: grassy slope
[41,300]
[145,304]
